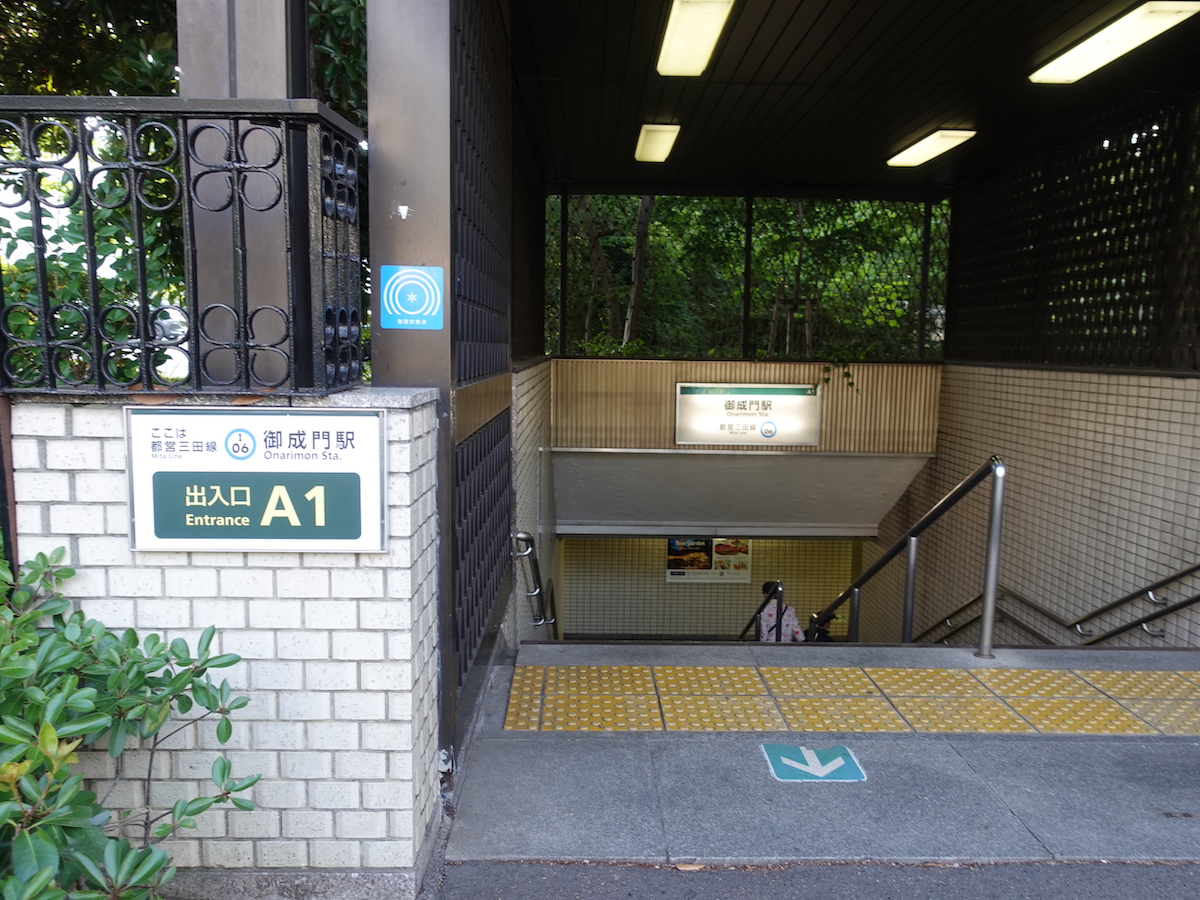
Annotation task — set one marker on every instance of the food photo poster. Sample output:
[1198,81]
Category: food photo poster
[708,559]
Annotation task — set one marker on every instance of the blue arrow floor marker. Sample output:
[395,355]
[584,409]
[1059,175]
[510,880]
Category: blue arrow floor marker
[802,764]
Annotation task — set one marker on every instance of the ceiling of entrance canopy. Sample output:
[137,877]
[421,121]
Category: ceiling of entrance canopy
[814,96]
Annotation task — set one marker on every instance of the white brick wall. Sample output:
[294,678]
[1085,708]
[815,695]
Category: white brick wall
[340,649]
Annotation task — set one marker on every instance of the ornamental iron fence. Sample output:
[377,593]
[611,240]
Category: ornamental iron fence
[188,246]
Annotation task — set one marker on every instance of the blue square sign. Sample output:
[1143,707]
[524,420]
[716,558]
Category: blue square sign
[802,764]
[412,297]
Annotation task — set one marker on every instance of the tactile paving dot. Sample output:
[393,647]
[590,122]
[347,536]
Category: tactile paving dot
[1036,683]
[599,680]
[1168,716]
[1072,715]
[693,680]
[1142,685]
[527,679]
[524,712]
[600,712]
[709,713]
[813,681]
[841,714]
[927,683]
[960,714]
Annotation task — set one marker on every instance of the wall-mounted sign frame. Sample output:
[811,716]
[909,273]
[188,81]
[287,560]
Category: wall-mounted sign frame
[748,414]
[231,479]
[708,559]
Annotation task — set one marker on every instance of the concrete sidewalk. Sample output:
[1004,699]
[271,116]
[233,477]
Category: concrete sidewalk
[650,802]
[708,798]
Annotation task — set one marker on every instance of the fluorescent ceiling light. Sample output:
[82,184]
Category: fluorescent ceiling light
[655,143]
[693,28]
[928,147]
[1130,31]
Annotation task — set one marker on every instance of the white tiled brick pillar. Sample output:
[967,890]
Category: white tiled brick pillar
[339,656]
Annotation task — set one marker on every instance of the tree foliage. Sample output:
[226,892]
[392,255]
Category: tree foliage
[338,37]
[67,683]
[90,47]
[830,279]
[128,48]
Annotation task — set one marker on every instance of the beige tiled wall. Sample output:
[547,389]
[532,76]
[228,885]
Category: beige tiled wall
[533,498]
[1103,495]
[618,586]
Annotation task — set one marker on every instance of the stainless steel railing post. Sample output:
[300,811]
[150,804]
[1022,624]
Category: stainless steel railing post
[855,608]
[910,591]
[991,573]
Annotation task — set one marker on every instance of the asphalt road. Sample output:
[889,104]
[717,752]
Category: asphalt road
[858,881]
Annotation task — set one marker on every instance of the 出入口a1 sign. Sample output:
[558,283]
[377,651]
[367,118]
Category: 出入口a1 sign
[263,479]
[748,414]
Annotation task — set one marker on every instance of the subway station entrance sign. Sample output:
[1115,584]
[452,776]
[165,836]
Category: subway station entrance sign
[231,479]
[747,414]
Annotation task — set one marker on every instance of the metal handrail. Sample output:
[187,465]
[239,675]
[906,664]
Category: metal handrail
[772,592]
[1077,623]
[543,611]
[1000,590]
[1147,592]
[1143,621]
[996,469]
[1028,629]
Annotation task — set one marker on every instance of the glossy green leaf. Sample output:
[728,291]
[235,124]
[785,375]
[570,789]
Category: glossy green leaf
[31,853]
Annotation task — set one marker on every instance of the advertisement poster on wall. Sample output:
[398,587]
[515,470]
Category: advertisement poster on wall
[708,559]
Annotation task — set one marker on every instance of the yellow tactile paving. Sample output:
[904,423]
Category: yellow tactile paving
[817,681]
[928,683]
[601,712]
[709,713]
[847,698]
[1073,715]
[524,712]
[721,680]
[528,679]
[1142,685]
[1036,683]
[960,714]
[599,680]
[840,714]
[1168,716]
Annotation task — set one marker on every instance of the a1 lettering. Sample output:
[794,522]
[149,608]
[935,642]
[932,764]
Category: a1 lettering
[280,506]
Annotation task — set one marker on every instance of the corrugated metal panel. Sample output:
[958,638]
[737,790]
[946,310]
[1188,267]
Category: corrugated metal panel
[630,404]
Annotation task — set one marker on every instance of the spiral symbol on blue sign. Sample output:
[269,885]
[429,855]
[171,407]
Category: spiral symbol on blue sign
[412,292]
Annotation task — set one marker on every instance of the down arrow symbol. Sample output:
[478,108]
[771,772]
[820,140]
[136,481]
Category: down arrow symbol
[811,764]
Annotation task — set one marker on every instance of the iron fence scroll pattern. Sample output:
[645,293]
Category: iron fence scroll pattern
[183,246]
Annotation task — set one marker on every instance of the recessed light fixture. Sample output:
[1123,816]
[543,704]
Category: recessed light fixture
[928,147]
[1131,30]
[693,28]
[655,142]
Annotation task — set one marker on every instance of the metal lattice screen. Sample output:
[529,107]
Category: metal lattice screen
[482,502]
[1087,255]
[481,153]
